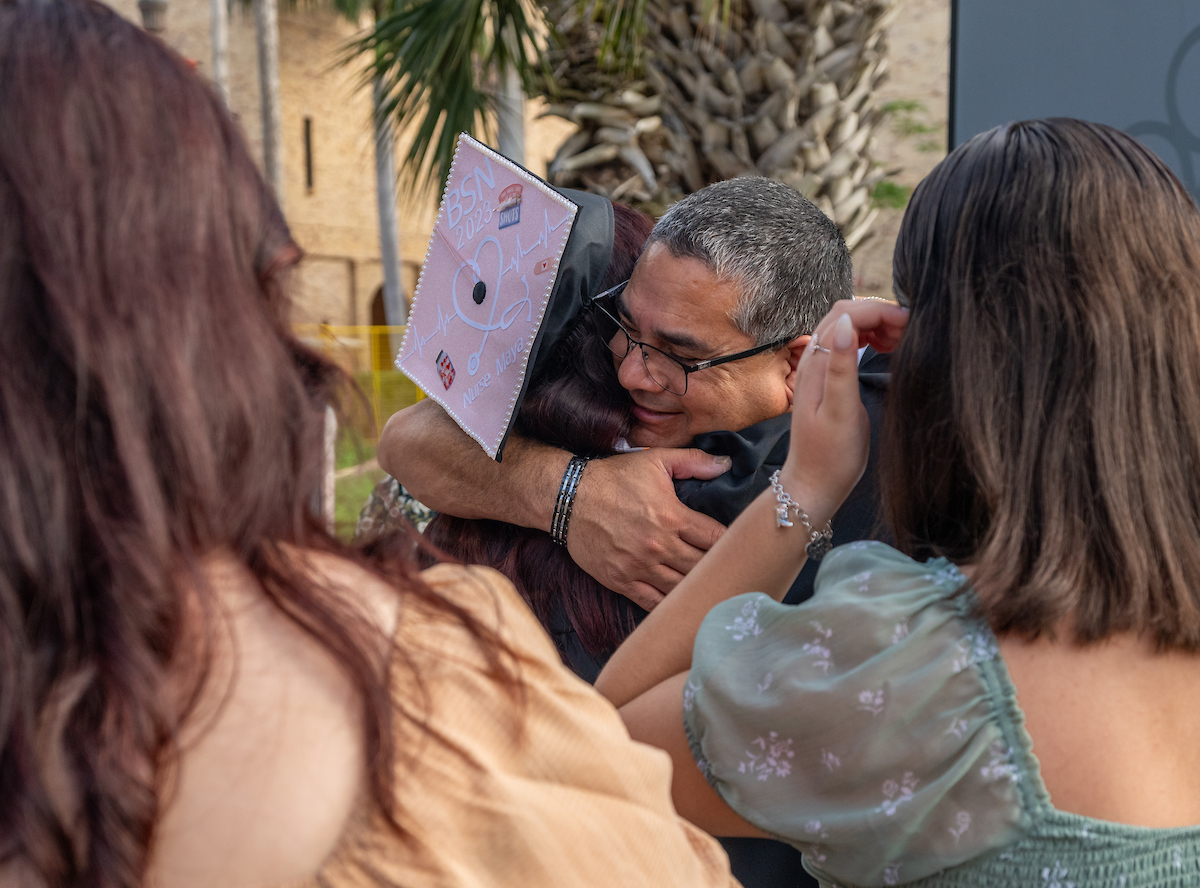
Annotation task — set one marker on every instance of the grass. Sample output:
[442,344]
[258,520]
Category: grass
[891,195]
[358,431]
[352,448]
[356,441]
[396,391]
[351,496]
[905,105]
[931,145]
[906,122]
[907,126]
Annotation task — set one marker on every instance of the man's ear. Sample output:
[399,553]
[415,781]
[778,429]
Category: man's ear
[794,350]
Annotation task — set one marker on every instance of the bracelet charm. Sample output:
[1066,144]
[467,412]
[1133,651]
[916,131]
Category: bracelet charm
[819,541]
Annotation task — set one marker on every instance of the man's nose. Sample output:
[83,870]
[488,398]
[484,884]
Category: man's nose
[631,372]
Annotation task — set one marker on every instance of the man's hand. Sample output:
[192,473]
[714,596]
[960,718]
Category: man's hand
[630,531]
[628,528]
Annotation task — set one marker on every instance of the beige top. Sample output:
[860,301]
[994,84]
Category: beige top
[545,791]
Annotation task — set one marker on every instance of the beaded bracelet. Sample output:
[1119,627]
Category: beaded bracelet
[566,499]
[819,542]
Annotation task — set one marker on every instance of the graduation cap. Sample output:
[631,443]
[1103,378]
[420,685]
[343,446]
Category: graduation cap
[510,263]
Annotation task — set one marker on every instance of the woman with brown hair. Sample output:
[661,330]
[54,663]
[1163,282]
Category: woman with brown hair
[199,685]
[1004,701]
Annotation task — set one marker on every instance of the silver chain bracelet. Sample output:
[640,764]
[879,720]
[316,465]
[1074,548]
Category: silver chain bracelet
[819,542]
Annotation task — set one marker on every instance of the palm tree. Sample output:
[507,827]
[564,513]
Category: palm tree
[266,29]
[510,105]
[782,88]
[450,66]
[385,200]
[267,33]
[219,26]
[668,95]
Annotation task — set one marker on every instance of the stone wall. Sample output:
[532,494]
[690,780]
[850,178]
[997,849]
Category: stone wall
[335,220]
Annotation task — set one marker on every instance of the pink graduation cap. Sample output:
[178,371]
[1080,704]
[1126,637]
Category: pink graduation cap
[488,276]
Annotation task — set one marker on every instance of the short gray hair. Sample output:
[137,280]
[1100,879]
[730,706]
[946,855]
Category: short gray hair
[787,257]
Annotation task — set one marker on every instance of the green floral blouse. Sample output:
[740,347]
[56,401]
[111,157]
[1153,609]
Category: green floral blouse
[875,728]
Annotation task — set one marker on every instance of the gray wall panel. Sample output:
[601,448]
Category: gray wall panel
[1134,64]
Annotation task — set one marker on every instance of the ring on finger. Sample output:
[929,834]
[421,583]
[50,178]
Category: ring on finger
[816,345]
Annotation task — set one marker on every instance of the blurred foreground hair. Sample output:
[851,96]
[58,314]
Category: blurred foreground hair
[154,408]
[1044,412]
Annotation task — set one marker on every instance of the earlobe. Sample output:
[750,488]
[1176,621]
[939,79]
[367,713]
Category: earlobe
[794,350]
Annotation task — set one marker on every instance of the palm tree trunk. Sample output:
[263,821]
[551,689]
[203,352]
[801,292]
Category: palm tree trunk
[219,13]
[385,198]
[782,88]
[266,21]
[510,107]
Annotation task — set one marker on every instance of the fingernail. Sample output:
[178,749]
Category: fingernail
[723,462]
[843,333]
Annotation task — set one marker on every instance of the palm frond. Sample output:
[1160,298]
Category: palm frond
[436,62]
[624,35]
[626,23]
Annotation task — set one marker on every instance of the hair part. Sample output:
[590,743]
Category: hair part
[787,258]
[1041,421]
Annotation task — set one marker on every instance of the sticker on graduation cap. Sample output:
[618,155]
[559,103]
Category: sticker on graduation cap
[488,275]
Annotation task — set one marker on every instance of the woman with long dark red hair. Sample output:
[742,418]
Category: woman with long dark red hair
[199,685]
[575,402]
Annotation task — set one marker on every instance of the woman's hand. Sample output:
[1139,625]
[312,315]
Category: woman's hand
[878,322]
[830,429]
[830,436]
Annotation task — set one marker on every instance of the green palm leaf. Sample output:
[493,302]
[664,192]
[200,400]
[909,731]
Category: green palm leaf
[624,32]
[625,22]
[437,61]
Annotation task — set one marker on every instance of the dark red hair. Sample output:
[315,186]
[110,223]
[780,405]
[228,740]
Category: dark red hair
[576,404]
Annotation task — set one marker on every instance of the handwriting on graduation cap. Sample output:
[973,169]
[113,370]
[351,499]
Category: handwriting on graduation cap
[471,274]
[488,275]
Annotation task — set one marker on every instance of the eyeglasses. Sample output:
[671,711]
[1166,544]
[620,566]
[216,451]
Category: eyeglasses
[668,372]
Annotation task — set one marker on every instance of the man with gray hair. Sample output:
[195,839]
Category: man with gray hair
[787,257]
[706,336]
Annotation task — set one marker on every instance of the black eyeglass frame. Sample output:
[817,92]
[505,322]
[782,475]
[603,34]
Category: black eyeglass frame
[688,369]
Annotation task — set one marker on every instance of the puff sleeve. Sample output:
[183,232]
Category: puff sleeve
[873,727]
